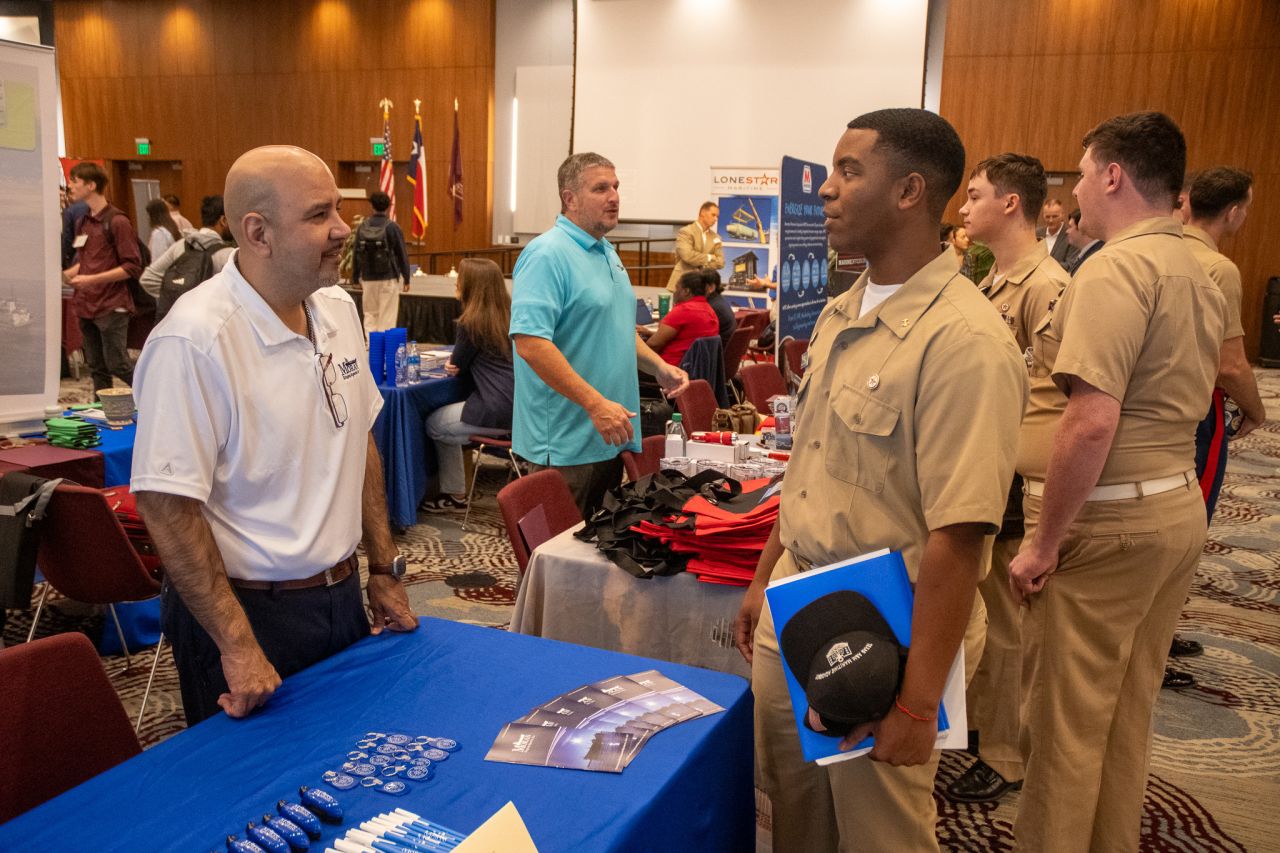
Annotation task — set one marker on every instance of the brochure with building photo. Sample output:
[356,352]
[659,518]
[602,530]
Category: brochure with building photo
[600,726]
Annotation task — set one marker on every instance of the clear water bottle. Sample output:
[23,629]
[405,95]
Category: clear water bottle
[414,364]
[402,366]
[675,437]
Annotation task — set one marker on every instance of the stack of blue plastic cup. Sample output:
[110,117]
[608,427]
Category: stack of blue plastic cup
[392,340]
[377,364]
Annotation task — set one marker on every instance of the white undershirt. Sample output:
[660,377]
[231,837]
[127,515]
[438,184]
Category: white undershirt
[875,294]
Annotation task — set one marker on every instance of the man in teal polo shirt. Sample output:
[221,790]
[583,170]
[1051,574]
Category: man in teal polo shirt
[576,350]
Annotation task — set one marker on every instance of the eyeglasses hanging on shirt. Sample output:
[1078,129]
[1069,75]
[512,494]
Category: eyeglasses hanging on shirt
[328,376]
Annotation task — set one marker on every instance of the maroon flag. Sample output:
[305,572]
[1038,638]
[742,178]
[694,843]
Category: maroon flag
[455,170]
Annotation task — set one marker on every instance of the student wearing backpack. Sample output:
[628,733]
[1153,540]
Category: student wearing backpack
[109,256]
[378,264]
[191,260]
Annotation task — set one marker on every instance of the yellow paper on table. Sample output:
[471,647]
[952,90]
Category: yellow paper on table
[505,832]
[17,115]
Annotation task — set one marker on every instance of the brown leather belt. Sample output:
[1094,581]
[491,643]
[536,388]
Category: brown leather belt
[329,577]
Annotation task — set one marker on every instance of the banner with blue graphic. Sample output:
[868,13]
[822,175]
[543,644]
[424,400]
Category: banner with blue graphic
[802,250]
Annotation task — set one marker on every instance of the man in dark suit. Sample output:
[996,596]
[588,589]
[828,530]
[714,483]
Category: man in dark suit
[1082,245]
[1054,234]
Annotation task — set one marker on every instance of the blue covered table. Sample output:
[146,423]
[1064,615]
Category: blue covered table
[117,454]
[401,435]
[690,788]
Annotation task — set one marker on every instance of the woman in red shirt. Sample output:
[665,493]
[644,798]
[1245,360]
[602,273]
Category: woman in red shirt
[690,318]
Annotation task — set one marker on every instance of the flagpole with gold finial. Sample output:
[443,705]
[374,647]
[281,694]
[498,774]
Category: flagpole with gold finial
[422,163]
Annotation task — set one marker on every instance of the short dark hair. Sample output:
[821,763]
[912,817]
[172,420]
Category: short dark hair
[945,230]
[211,210]
[1017,173]
[1074,216]
[1216,189]
[380,201]
[1149,146]
[706,205]
[90,173]
[712,278]
[172,199]
[693,282]
[923,142]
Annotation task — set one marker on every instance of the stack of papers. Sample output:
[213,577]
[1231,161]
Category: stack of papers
[71,432]
[600,726]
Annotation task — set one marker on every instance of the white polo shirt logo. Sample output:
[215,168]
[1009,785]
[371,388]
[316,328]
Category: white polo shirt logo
[349,368]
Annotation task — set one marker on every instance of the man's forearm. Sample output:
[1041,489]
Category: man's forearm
[945,587]
[1080,447]
[1235,377]
[554,369]
[769,556]
[375,528]
[193,564]
[648,360]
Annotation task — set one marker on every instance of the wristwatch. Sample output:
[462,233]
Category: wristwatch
[395,568]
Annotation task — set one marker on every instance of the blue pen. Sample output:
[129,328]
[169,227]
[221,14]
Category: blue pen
[432,843]
[359,836]
[423,823]
[403,825]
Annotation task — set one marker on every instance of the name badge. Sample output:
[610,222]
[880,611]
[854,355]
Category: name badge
[80,241]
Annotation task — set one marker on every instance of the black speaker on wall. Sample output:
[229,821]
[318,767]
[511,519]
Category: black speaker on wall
[1269,350]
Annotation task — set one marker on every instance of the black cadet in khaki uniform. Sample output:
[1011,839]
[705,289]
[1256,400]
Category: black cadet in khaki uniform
[905,437]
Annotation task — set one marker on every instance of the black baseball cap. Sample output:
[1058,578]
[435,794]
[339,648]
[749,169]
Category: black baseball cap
[845,656]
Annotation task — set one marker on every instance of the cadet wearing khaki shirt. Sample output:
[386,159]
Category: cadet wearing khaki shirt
[1142,324]
[1023,297]
[907,422]
[1222,272]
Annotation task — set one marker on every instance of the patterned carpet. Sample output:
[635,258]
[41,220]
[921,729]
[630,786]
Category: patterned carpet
[1215,770]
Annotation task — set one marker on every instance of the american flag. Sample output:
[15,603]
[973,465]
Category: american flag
[386,176]
[418,179]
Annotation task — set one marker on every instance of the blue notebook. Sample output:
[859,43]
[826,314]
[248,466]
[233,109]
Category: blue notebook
[882,577]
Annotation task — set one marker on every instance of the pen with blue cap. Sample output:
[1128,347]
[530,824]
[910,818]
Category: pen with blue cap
[407,837]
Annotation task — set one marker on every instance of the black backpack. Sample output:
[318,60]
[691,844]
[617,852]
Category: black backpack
[189,269]
[374,251]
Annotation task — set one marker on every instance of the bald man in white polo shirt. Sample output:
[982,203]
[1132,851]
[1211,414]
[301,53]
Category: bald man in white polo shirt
[254,467]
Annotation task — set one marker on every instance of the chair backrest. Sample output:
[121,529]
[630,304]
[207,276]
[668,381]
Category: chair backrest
[755,320]
[737,348]
[535,508]
[648,460]
[85,552]
[793,351]
[61,722]
[760,381]
[697,405]
[705,360]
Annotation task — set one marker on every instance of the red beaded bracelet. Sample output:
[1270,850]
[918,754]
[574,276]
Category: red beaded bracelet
[904,709]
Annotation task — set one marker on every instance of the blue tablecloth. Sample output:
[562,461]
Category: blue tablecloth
[117,454]
[408,458]
[690,788]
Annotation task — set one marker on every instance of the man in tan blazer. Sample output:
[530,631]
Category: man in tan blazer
[698,245]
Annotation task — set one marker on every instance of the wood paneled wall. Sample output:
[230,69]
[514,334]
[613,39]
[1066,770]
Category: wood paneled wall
[1034,75]
[205,81]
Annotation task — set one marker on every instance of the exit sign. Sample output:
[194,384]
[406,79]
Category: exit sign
[144,146]
[379,149]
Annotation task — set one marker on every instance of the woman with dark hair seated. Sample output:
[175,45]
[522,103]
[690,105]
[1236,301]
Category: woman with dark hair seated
[716,299]
[690,318]
[481,353]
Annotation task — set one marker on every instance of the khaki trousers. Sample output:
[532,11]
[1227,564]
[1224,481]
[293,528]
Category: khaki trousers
[1094,644]
[381,303]
[994,695]
[858,804]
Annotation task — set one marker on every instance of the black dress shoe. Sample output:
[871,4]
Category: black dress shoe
[980,784]
[1181,648]
[1176,679]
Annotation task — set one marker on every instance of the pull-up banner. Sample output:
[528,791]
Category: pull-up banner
[802,250]
[748,224]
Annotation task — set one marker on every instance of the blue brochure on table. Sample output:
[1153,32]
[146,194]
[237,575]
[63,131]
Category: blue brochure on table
[882,578]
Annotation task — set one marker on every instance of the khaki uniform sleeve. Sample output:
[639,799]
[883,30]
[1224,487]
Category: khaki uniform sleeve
[1104,324]
[967,430]
[1227,276]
